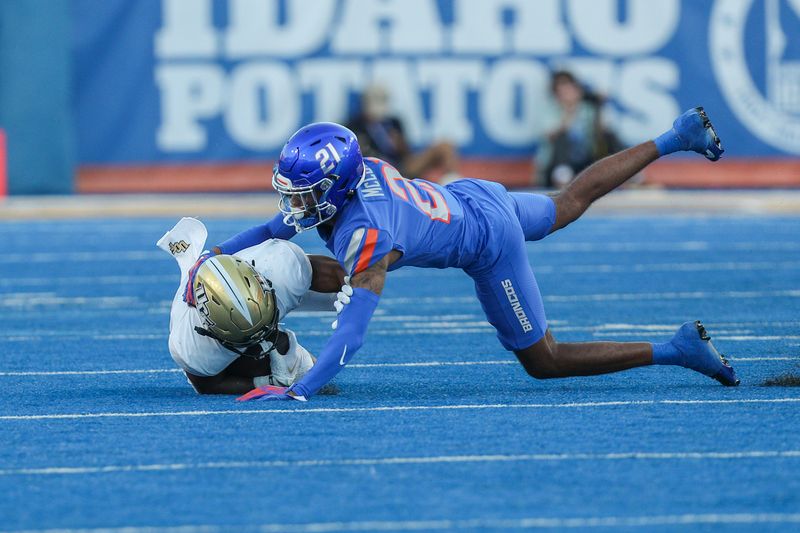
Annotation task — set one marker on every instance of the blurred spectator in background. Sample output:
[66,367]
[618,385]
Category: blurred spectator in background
[381,135]
[574,134]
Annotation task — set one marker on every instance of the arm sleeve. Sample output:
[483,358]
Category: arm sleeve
[273,229]
[342,345]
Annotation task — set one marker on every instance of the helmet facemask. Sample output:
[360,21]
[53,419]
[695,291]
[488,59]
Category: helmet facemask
[305,207]
[258,348]
[237,306]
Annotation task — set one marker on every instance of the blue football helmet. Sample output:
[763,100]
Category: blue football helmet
[318,168]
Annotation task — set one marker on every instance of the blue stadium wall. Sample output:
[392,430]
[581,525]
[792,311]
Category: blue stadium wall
[36,108]
[200,94]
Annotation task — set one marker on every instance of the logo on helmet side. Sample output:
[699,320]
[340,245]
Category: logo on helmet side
[202,304]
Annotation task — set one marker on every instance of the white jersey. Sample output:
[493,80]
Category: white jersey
[281,262]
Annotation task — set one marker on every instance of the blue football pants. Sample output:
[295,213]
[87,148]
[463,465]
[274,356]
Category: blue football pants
[504,280]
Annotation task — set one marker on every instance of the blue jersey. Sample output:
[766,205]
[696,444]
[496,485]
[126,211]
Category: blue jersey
[432,226]
[471,224]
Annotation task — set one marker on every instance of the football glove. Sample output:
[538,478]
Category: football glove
[269,392]
[342,299]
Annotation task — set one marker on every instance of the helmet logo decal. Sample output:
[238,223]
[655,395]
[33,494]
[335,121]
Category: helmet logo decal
[324,157]
[282,181]
[201,299]
[179,247]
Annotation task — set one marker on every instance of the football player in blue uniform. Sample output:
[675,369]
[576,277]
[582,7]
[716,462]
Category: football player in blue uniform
[375,221]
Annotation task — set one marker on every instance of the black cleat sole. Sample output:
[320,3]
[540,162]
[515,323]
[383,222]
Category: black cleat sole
[710,127]
[725,382]
[701,330]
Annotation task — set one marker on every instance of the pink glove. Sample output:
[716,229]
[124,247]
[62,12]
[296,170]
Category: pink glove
[269,392]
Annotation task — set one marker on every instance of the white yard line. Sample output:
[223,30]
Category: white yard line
[423,364]
[538,268]
[688,295]
[728,266]
[382,461]
[81,257]
[544,248]
[474,524]
[37,300]
[715,336]
[605,297]
[416,364]
[396,408]
[763,358]
[86,280]
[131,336]
[540,523]
[90,372]
[757,337]
[391,324]
[432,364]
[665,246]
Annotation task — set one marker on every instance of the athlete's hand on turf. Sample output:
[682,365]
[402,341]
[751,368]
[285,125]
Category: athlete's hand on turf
[342,299]
[188,293]
[270,392]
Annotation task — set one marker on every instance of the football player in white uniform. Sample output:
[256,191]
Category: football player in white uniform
[224,330]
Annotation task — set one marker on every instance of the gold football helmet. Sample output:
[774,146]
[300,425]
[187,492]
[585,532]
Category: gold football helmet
[237,306]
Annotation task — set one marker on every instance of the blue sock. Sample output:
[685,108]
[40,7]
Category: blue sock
[668,142]
[665,353]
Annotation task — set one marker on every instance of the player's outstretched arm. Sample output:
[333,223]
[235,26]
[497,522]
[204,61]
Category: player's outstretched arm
[345,341]
[327,275]
[275,228]
[352,327]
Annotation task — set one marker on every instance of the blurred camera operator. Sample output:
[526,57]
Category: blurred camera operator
[382,135]
[575,136]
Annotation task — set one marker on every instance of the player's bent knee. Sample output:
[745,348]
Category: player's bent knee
[539,360]
[541,369]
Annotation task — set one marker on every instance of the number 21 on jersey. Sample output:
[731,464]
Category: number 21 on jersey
[436,208]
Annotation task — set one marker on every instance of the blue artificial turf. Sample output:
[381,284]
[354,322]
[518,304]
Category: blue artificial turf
[476,446]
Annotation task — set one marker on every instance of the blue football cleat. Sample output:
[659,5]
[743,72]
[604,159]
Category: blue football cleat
[696,133]
[700,355]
